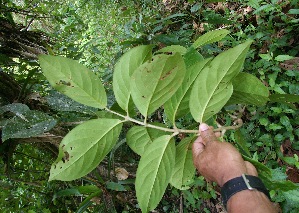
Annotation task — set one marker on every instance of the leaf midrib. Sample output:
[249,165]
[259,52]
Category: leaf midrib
[188,87]
[154,90]
[215,89]
[158,168]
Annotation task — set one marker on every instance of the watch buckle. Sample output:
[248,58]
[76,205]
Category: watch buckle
[247,182]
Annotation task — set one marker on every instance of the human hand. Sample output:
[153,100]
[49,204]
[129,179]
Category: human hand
[218,161]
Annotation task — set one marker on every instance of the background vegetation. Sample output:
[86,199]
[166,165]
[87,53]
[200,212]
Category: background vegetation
[34,118]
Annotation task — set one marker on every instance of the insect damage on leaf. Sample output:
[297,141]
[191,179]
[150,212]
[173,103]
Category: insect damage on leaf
[66,156]
[64,83]
[167,74]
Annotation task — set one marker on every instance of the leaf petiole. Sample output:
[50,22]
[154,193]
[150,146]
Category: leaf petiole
[175,130]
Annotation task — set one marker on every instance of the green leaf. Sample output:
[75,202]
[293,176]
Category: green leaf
[248,89]
[203,106]
[240,140]
[83,148]
[178,104]
[74,80]
[86,202]
[293,11]
[105,114]
[191,57]
[139,138]
[184,170]
[115,186]
[264,121]
[264,172]
[266,57]
[154,82]
[77,191]
[123,71]
[284,120]
[273,179]
[291,202]
[210,37]
[29,124]
[173,49]
[154,172]
[283,57]
[16,108]
[284,98]
[278,181]
[212,88]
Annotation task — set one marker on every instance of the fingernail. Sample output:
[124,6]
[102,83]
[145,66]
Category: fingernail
[203,127]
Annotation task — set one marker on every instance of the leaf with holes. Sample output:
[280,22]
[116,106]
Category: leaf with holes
[154,172]
[248,89]
[210,37]
[184,169]
[83,148]
[139,137]
[213,88]
[74,80]
[123,71]
[178,104]
[154,82]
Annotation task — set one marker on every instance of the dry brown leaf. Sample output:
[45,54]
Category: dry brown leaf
[121,173]
[292,64]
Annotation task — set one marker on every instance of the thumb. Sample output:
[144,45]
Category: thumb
[207,134]
[197,147]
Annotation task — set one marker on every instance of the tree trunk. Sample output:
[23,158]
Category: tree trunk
[17,42]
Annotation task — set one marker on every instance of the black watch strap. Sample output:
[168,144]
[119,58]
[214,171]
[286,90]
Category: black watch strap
[238,184]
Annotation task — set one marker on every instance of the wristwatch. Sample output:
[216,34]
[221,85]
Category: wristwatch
[245,182]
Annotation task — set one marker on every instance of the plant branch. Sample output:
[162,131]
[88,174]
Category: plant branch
[176,131]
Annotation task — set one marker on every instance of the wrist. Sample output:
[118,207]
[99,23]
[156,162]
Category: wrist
[241,183]
[227,177]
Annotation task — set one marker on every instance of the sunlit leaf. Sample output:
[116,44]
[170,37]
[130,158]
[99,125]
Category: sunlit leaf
[178,104]
[154,172]
[154,82]
[212,88]
[83,148]
[184,169]
[248,89]
[28,124]
[139,137]
[283,57]
[123,71]
[173,49]
[210,37]
[74,80]
[202,111]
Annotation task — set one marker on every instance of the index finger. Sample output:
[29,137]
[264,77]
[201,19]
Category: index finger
[207,134]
